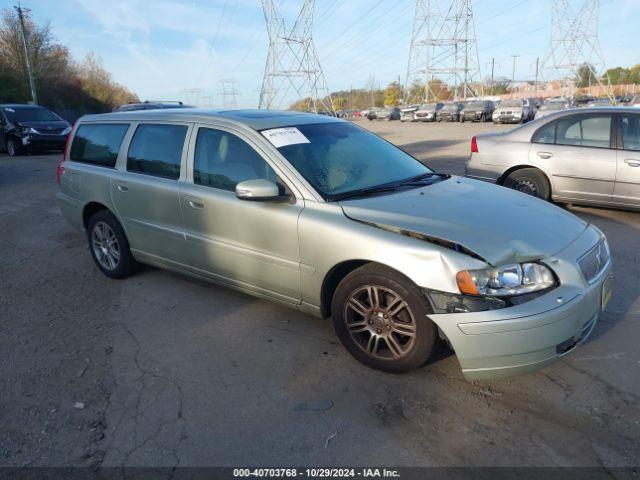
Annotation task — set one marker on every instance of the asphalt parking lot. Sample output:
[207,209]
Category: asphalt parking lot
[162,370]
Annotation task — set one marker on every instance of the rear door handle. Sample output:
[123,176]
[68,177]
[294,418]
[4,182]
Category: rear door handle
[195,202]
[122,187]
[545,155]
[632,163]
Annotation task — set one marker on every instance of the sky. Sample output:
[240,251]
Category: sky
[182,49]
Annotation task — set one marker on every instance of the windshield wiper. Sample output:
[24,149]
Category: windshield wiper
[366,191]
[418,179]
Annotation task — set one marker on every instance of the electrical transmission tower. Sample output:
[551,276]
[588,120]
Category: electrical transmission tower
[443,53]
[228,90]
[292,62]
[574,43]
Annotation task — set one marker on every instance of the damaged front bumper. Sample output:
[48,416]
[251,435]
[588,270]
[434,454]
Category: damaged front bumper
[493,341]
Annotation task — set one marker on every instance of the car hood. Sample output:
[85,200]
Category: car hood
[510,109]
[54,124]
[497,224]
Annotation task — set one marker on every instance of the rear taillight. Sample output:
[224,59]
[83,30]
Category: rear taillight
[474,145]
[60,169]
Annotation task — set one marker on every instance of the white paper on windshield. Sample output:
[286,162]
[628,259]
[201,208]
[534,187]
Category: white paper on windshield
[281,137]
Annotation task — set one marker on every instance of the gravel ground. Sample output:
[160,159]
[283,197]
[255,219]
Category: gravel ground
[162,370]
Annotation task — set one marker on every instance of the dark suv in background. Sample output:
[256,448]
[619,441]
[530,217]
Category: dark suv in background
[26,128]
[477,111]
[149,105]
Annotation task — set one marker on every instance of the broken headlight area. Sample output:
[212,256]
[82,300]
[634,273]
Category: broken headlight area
[445,302]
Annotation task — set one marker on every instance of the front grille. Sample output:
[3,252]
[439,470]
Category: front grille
[595,261]
[52,131]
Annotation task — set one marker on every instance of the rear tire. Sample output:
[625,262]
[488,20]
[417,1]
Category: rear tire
[14,149]
[380,317]
[109,246]
[530,181]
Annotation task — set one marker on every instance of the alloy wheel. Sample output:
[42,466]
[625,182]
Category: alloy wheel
[380,322]
[105,246]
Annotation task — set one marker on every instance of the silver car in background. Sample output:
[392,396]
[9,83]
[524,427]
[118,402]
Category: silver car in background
[321,215]
[407,114]
[551,106]
[587,156]
[428,112]
[515,110]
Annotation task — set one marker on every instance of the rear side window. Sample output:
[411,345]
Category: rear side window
[546,134]
[98,144]
[585,131]
[631,132]
[156,150]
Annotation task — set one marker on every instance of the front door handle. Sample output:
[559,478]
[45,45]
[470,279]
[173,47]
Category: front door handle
[632,163]
[195,202]
[545,155]
[122,187]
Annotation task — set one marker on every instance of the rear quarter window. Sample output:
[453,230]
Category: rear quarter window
[98,144]
[156,150]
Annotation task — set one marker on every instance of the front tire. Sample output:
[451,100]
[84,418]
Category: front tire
[14,149]
[380,317]
[109,246]
[530,181]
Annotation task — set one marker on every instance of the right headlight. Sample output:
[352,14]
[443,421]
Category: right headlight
[506,281]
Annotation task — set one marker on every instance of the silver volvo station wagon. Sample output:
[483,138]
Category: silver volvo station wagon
[321,215]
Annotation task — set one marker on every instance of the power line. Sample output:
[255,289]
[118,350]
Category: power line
[443,50]
[574,42]
[228,90]
[292,61]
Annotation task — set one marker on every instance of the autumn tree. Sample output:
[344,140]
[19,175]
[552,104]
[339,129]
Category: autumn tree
[392,95]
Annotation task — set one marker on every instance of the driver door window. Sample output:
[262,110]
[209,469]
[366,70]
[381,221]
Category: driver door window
[223,160]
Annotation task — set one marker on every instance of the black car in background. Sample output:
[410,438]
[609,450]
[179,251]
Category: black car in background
[149,105]
[26,128]
[477,111]
[450,112]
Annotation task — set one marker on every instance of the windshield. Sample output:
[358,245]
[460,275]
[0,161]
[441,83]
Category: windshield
[474,105]
[450,106]
[341,158]
[511,103]
[427,106]
[30,114]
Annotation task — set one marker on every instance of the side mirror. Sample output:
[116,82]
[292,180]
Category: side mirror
[259,191]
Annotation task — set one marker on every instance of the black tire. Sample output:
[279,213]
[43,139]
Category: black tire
[530,181]
[410,332]
[14,149]
[126,265]
[461,119]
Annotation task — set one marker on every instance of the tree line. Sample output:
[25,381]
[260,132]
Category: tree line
[63,84]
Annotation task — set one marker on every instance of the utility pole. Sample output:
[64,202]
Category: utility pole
[537,75]
[493,68]
[513,76]
[32,83]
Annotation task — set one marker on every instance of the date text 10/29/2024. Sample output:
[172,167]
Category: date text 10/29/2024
[316,472]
